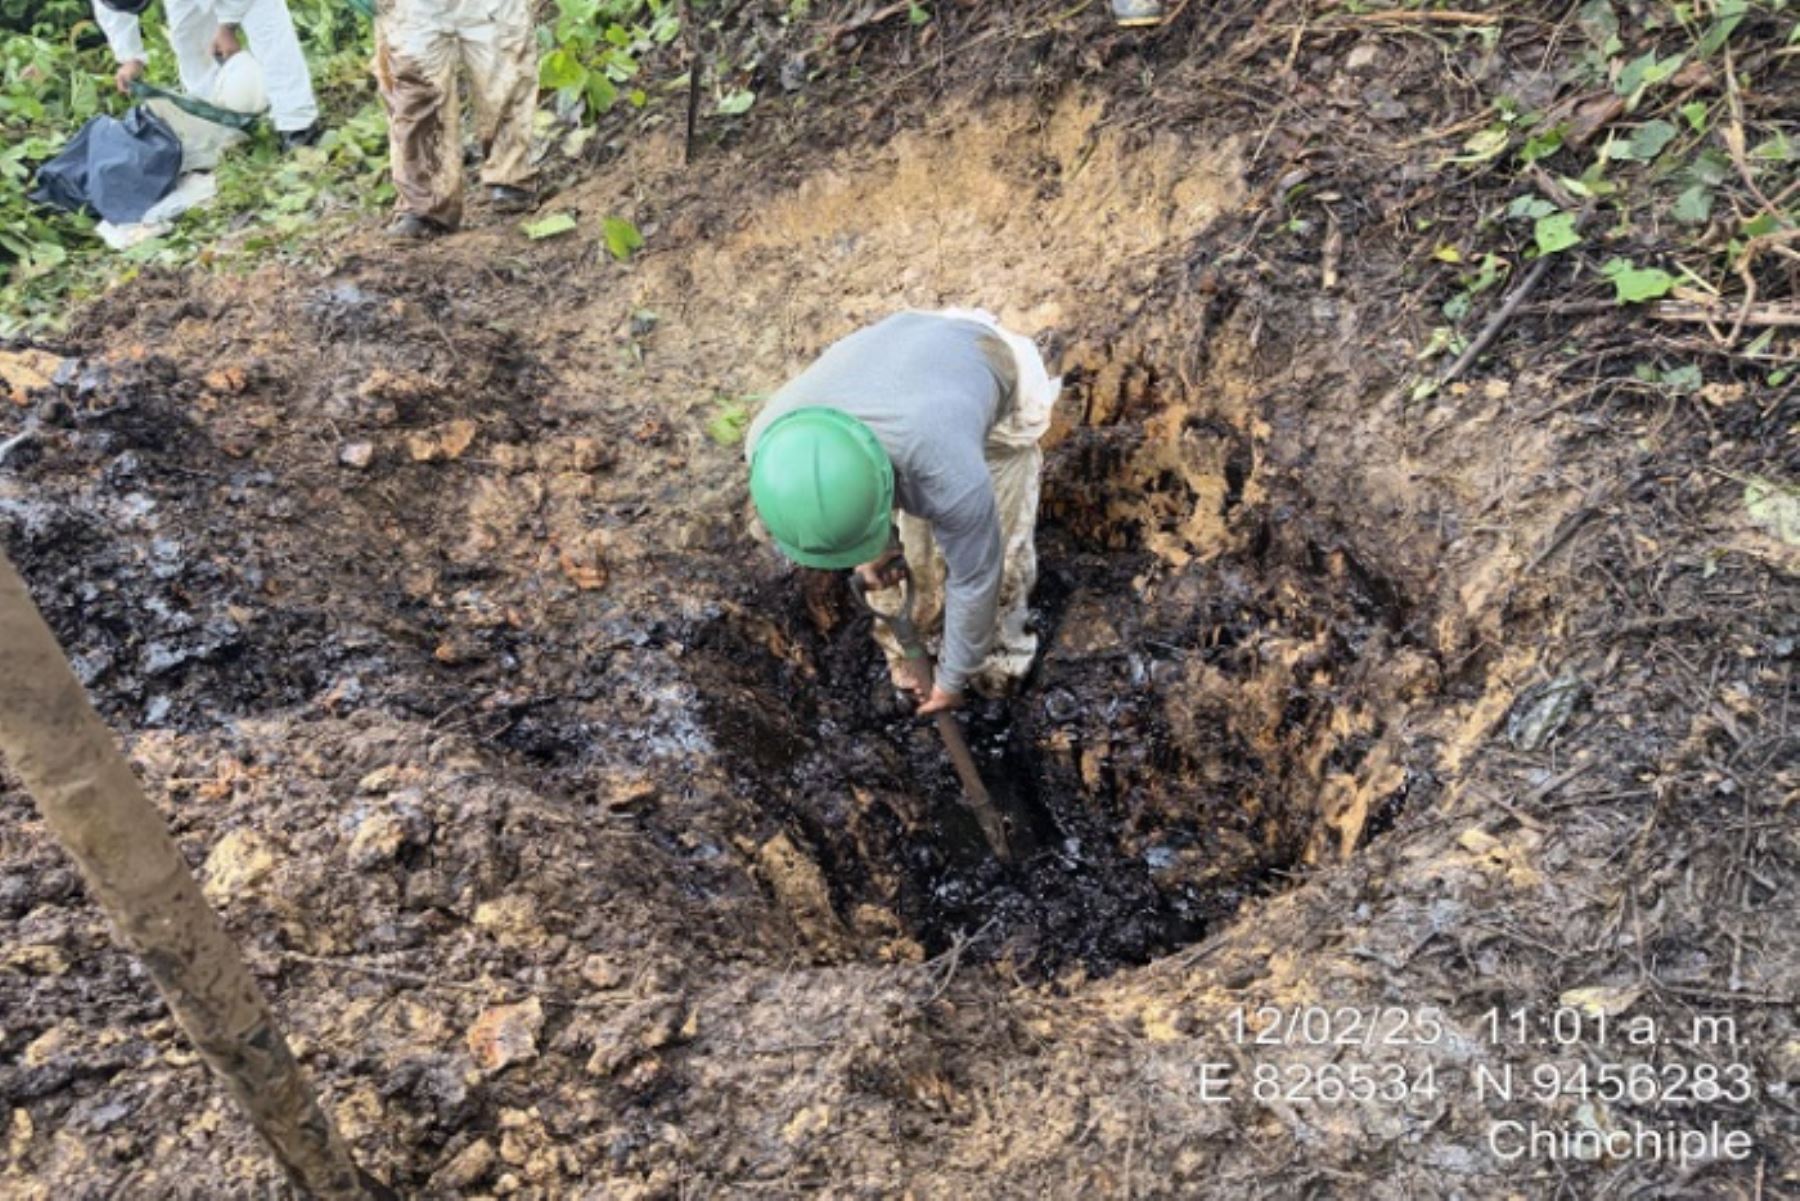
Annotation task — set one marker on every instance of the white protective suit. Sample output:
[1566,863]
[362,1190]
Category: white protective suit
[420,48]
[192,26]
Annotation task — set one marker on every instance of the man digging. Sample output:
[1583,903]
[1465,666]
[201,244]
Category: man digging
[936,415]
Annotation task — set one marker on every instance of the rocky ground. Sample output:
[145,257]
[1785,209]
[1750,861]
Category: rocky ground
[584,853]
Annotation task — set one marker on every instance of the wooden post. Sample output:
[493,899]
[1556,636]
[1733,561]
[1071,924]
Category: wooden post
[54,741]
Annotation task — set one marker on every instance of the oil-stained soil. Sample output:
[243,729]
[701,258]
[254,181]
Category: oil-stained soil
[581,843]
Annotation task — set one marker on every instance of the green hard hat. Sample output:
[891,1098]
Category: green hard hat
[824,488]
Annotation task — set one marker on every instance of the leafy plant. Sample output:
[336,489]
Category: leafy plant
[55,78]
[730,420]
[591,50]
[621,237]
[1643,73]
[1645,143]
[1633,284]
[1555,232]
[552,226]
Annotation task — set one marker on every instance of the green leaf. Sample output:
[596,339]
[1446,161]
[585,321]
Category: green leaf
[1555,233]
[1650,138]
[622,237]
[1710,167]
[1774,507]
[1529,208]
[601,93]
[1696,112]
[1457,307]
[1633,284]
[1730,13]
[1643,73]
[1779,376]
[1776,150]
[553,226]
[917,13]
[1694,206]
[1443,338]
[1542,145]
[1683,380]
[1760,225]
[1493,269]
[560,70]
[736,103]
[1593,181]
[729,423]
[1599,21]
[1487,144]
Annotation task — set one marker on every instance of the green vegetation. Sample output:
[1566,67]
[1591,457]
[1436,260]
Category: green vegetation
[1652,176]
[56,72]
[591,51]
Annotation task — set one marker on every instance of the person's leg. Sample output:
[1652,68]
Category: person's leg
[1016,464]
[416,58]
[292,106]
[501,52]
[1015,471]
[191,28]
[926,566]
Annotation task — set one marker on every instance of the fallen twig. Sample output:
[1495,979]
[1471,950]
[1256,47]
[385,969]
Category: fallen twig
[22,438]
[1498,321]
[1733,133]
[1746,258]
[1407,16]
[1699,314]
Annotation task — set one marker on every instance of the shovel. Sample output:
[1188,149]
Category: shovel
[975,793]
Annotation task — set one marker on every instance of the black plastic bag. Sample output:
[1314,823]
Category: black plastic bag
[115,167]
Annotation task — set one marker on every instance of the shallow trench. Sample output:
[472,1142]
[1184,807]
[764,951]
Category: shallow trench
[1206,715]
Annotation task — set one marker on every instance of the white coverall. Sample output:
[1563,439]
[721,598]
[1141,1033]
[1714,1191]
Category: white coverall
[419,47]
[192,26]
[1015,463]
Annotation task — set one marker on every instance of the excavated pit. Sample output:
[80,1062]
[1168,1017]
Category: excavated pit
[1181,744]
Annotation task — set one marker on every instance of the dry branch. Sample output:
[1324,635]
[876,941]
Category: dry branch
[1699,314]
[67,759]
[1404,16]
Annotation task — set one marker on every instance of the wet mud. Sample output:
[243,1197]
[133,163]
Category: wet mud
[418,589]
[1163,759]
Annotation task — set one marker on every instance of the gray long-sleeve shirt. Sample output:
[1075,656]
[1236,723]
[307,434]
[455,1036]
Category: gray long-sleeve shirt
[930,387]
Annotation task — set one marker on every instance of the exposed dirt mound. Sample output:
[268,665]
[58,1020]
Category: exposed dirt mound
[578,837]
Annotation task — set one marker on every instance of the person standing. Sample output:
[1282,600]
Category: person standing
[937,415]
[203,34]
[420,47]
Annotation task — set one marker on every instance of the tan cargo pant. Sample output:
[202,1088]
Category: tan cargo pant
[1014,463]
[419,47]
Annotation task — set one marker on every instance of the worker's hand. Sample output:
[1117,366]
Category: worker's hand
[884,572]
[225,43]
[939,702]
[129,72]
